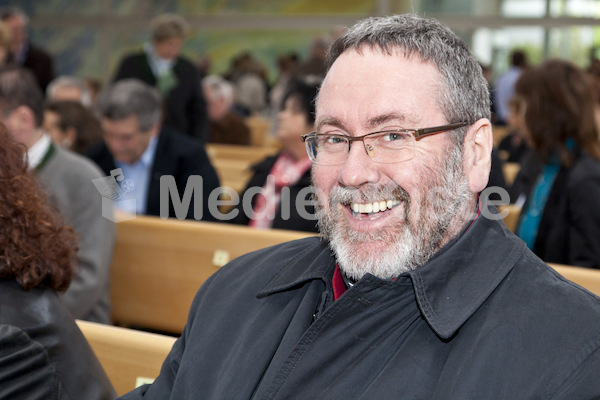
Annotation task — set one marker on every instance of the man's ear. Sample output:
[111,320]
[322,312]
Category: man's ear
[477,156]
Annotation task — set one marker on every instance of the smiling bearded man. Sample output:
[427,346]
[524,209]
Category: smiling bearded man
[386,253]
[417,300]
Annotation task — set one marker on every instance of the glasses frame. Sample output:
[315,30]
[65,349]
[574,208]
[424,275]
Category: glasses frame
[418,134]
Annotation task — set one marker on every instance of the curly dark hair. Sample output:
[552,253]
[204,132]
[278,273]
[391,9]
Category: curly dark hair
[36,248]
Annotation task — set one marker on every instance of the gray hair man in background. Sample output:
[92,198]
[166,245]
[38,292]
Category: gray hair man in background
[137,143]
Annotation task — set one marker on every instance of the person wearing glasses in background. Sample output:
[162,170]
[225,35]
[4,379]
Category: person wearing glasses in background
[418,290]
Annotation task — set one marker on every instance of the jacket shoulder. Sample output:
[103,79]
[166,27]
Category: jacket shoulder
[255,269]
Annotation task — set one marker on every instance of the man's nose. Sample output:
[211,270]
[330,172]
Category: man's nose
[359,168]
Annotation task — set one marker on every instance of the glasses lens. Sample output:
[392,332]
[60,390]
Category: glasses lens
[327,149]
[390,147]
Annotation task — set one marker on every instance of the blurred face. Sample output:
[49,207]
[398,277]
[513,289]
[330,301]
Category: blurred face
[385,219]
[169,48]
[125,141]
[217,107]
[292,121]
[21,124]
[51,125]
[18,32]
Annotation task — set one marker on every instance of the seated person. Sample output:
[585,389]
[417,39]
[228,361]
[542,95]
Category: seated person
[560,220]
[283,201]
[43,355]
[405,295]
[136,141]
[68,180]
[71,125]
[226,126]
[513,146]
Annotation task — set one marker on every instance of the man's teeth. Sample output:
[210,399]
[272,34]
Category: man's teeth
[374,207]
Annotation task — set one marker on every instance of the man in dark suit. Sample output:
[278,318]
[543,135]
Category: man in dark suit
[155,161]
[23,51]
[160,65]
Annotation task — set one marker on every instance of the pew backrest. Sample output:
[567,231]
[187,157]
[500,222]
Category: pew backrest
[128,357]
[159,265]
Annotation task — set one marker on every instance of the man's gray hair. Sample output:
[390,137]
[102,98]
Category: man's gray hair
[70,82]
[168,26]
[130,97]
[221,87]
[463,92]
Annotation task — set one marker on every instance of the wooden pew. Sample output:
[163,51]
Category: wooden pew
[510,171]
[586,277]
[512,218]
[233,173]
[127,356]
[250,154]
[158,266]
[259,129]
[499,133]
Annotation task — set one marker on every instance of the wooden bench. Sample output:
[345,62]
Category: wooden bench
[159,265]
[512,218]
[250,154]
[586,277]
[500,132]
[510,171]
[233,173]
[129,357]
[259,129]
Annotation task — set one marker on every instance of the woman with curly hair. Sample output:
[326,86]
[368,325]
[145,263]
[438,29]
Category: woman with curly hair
[43,355]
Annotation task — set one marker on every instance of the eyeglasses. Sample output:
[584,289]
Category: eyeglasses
[385,147]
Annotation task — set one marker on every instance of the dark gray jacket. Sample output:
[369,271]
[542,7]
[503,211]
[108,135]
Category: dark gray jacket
[483,319]
[43,355]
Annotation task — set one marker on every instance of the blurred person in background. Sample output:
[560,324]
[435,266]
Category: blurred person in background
[67,178]
[43,355]
[160,64]
[5,42]
[145,150]
[289,169]
[249,77]
[504,89]
[71,125]
[513,146]
[226,125]
[286,64]
[314,65]
[23,52]
[560,220]
[69,88]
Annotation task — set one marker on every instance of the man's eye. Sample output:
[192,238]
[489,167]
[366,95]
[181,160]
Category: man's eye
[334,140]
[394,136]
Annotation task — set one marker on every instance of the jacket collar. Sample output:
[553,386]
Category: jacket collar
[314,262]
[449,288]
[452,285]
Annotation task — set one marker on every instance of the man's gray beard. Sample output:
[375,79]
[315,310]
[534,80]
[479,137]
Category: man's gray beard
[412,242]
